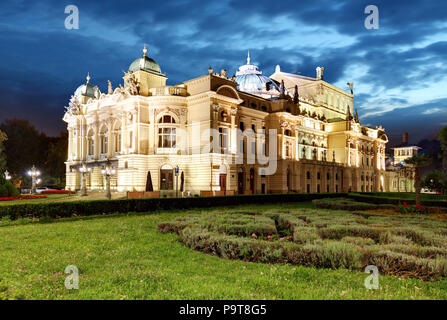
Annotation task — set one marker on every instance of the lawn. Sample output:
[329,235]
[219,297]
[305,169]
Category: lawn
[50,198]
[124,257]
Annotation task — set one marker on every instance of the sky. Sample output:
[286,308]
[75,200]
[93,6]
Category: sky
[398,70]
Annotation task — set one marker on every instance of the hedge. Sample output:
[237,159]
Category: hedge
[370,198]
[97,207]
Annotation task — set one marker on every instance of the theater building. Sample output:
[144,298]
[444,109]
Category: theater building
[145,129]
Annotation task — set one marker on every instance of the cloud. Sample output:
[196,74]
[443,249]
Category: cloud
[398,70]
[433,110]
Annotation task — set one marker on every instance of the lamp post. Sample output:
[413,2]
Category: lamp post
[84,171]
[108,172]
[7,176]
[34,173]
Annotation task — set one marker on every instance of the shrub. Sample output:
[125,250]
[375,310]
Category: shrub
[338,232]
[359,241]
[395,199]
[411,246]
[3,191]
[347,204]
[12,190]
[95,207]
[305,234]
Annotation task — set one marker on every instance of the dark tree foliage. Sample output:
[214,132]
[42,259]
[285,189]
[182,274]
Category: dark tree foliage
[26,146]
[3,138]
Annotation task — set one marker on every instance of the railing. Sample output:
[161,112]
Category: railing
[168,91]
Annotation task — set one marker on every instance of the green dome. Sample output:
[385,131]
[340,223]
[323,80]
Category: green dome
[145,63]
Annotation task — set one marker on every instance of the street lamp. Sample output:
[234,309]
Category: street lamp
[108,172]
[7,176]
[84,171]
[34,173]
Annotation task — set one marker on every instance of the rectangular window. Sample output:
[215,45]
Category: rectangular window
[223,139]
[167,137]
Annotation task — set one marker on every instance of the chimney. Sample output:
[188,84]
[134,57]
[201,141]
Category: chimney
[405,138]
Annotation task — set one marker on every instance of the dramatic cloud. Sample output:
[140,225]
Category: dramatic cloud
[399,70]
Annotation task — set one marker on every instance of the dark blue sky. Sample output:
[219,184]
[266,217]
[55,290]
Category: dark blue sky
[399,70]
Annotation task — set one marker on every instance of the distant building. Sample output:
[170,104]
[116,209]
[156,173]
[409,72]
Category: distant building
[404,151]
[400,174]
[145,129]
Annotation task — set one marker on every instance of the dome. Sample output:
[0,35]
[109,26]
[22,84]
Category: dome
[145,63]
[251,80]
[87,89]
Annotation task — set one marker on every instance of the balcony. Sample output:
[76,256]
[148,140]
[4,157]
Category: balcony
[168,91]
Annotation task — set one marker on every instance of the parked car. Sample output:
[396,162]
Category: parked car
[40,189]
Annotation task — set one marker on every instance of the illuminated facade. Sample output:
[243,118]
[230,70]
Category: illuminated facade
[144,129]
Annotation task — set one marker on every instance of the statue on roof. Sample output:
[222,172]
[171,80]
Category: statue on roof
[74,106]
[282,90]
[131,86]
[351,86]
[296,96]
[110,88]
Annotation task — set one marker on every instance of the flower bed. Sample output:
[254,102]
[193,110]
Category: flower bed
[23,197]
[57,192]
[418,209]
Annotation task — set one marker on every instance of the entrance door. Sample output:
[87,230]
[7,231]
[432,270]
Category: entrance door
[166,179]
[240,183]
[223,181]
[252,180]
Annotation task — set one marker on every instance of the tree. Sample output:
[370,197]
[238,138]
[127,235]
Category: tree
[3,138]
[435,180]
[442,136]
[26,146]
[417,162]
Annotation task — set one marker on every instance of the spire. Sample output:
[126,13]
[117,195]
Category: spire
[248,57]
[356,117]
[88,77]
[144,50]
[296,95]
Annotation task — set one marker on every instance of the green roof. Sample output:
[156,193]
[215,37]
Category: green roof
[145,63]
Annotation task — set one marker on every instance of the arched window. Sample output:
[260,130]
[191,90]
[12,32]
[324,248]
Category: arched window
[166,119]
[288,132]
[167,134]
[104,140]
[90,143]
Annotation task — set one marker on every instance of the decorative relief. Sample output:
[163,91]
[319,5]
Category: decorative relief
[74,106]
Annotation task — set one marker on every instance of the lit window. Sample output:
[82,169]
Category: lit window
[167,134]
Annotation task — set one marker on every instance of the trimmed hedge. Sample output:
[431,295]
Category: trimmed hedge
[371,198]
[348,204]
[97,207]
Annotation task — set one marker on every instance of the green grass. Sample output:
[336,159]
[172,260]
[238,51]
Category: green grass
[51,198]
[124,257]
